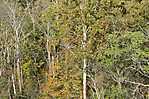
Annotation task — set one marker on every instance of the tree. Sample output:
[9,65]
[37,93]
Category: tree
[74,49]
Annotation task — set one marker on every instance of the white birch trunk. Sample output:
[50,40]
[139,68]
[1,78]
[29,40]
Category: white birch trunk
[82,7]
[18,61]
[48,50]
[84,62]
[13,84]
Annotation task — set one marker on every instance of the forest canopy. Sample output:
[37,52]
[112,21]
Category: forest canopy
[74,49]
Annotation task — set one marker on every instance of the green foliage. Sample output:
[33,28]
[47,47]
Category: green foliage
[115,92]
[123,48]
[117,45]
[26,68]
[123,54]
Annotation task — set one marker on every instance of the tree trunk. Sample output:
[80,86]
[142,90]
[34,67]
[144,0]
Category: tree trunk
[13,84]
[18,61]
[82,7]
[48,50]
[84,62]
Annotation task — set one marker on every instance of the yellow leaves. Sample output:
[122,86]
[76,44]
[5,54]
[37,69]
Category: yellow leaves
[26,68]
[54,87]
[65,80]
